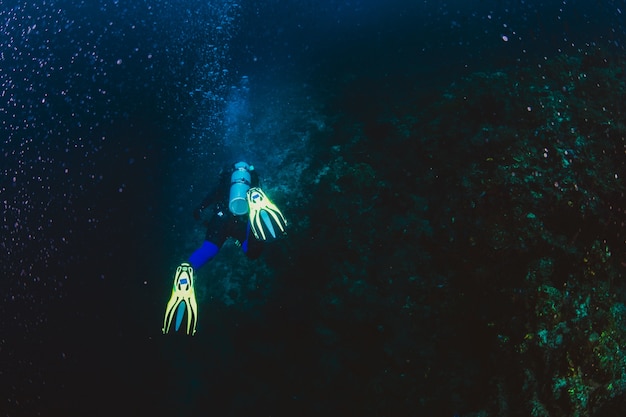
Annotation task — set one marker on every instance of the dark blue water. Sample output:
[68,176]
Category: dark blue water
[116,119]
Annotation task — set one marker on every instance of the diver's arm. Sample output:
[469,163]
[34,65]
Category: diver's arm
[197,213]
[214,196]
[210,199]
[255,179]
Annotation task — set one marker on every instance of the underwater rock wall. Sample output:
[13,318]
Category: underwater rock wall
[480,243]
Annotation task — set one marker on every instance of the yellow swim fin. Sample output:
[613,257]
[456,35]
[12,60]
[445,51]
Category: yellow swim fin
[182,302]
[266,220]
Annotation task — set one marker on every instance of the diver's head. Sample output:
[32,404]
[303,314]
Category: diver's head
[239,185]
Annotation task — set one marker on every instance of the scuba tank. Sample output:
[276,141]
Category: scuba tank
[240,181]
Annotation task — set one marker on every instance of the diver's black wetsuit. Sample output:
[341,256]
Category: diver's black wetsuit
[223,224]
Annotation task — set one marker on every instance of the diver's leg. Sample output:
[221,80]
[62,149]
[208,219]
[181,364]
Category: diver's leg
[251,246]
[203,254]
[214,239]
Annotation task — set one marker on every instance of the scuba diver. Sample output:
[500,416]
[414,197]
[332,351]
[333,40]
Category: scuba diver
[241,211]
